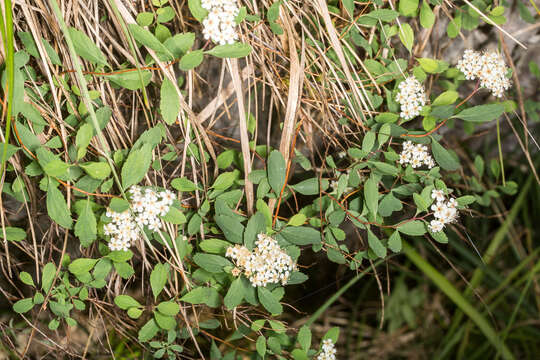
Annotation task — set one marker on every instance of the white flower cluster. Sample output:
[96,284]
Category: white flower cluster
[220,23]
[122,230]
[147,206]
[411,97]
[416,155]
[489,68]
[267,264]
[328,350]
[445,211]
[150,205]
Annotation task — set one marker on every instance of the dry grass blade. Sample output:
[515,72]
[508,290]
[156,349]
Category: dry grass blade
[489,21]
[244,136]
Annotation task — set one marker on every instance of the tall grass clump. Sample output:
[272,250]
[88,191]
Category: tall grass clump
[226,179]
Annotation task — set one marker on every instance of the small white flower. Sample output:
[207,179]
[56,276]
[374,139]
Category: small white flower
[219,25]
[489,68]
[438,195]
[147,206]
[415,155]
[266,264]
[444,211]
[436,226]
[411,97]
[328,350]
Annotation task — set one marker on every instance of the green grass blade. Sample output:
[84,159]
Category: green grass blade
[6,24]
[492,249]
[131,43]
[84,91]
[446,286]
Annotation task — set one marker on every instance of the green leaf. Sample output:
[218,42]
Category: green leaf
[332,334]
[119,205]
[386,118]
[146,38]
[304,337]
[394,242]
[412,228]
[158,278]
[443,157]
[145,18]
[225,159]
[427,18]
[136,165]
[56,168]
[214,246]
[301,235]
[81,265]
[124,269]
[232,228]
[85,48]
[134,312]
[260,346]
[86,226]
[148,331]
[371,195]
[24,305]
[165,14]
[481,113]
[39,298]
[276,169]
[265,210]
[273,11]
[384,133]
[120,256]
[376,245]
[235,294]
[183,184]
[211,263]
[269,301]
[53,324]
[389,204]
[368,141]
[386,15]
[406,35]
[197,10]
[169,308]
[310,186]
[225,180]
[169,103]
[297,220]
[26,278]
[180,44]
[191,60]
[421,204]
[256,225]
[97,170]
[385,168]
[57,207]
[124,302]
[428,65]
[47,276]
[131,80]
[446,98]
[174,216]
[13,233]
[465,200]
[408,7]
[235,50]
[203,295]
[82,140]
